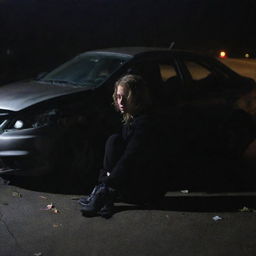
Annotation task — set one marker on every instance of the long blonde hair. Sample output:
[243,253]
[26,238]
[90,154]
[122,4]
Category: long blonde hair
[138,99]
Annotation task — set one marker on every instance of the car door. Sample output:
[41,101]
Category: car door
[208,83]
[211,109]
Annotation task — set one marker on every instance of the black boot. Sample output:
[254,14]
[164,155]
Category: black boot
[107,210]
[100,203]
[85,200]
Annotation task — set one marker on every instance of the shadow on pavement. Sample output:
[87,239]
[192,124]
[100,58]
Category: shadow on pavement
[198,204]
[209,203]
[50,184]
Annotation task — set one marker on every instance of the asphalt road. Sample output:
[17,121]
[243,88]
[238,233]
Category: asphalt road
[245,67]
[183,225]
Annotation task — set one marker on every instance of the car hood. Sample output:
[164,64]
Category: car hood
[20,95]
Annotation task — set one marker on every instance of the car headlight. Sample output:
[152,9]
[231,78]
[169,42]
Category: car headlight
[18,124]
[30,120]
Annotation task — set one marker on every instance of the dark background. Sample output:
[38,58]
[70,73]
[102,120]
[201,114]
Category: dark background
[37,35]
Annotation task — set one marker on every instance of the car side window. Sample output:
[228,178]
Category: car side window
[172,83]
[197,71]
[167,71]
[149,70]
[205,76]
[161,75]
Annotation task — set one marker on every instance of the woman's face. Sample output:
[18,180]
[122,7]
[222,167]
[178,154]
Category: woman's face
[121,98]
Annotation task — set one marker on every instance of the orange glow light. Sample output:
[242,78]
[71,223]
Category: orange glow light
[223,54]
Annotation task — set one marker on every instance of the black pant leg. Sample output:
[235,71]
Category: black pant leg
[114,149]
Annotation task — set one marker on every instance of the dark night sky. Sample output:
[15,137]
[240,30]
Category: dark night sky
[55,30]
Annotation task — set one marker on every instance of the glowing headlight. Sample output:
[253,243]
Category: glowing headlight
[18,124]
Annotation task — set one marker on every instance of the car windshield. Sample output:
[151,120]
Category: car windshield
[86,70]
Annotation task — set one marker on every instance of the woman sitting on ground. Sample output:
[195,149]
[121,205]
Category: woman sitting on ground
[133,163]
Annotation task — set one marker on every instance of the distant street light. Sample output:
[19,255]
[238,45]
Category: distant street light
[223,54]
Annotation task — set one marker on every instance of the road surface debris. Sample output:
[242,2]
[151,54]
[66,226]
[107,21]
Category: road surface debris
[16,194]
[217,218]
[51,207]
[246,209]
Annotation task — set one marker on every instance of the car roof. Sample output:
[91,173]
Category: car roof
[135,51]
[132,50]
[145,52]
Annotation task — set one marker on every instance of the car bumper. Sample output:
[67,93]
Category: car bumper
[23,152]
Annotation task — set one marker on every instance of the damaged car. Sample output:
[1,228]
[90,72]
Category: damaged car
[61,120]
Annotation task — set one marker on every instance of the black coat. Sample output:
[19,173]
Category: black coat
[140,171]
